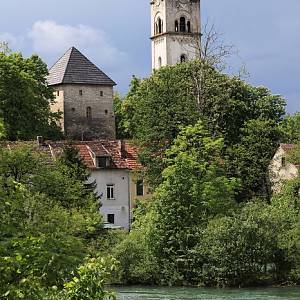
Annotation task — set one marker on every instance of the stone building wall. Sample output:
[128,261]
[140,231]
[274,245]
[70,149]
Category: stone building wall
[74,100]
[281,170]
[58,106]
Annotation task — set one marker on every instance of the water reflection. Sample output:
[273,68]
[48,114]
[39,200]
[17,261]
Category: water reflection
[140,293]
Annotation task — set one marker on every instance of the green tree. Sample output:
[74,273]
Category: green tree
[249,159]
[252,256]
[2,130]
[47,220]
[194,190]
[129,105]
[176,96]
[290,129]
[265,247]
[137,264]
[90,280]
[25,98]
[72,165]
[120,118]
[155,109]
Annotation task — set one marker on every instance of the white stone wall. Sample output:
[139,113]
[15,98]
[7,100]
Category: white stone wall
[278,173]
[159,46]
[180,45]
[120,206]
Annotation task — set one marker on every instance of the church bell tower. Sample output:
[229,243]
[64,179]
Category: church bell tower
[175,31]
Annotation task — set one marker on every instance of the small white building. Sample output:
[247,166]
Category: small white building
[112,165]
[281,169]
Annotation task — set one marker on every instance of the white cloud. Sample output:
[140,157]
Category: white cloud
[50,38]
[14,42]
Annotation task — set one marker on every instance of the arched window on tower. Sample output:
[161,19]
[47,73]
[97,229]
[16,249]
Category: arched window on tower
[183,58]
[159,62]
[182,24]
[189,26]
[88,112]
[160,25]
[176,26]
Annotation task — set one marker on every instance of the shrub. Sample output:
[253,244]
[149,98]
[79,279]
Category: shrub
[89,282]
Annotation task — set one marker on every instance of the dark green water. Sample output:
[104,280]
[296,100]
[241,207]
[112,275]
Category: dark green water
[139,293]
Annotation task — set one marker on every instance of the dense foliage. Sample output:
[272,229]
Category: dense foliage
[48,222]
[246,117]
[290,129]
[25,98]
[207,139]
[193,232]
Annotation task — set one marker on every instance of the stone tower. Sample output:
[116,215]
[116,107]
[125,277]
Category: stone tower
[84,96]
[175,31]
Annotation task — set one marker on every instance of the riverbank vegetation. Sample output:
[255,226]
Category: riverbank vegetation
[207,140]
[49,226]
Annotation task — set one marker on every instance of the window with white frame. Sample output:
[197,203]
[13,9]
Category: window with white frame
[110,192]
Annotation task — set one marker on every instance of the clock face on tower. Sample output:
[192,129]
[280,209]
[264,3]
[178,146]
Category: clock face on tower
[181,3]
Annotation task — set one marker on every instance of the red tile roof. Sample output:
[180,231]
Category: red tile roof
[86,155]
[123,154]
[288,147]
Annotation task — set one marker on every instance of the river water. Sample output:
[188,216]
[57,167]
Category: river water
[140,293]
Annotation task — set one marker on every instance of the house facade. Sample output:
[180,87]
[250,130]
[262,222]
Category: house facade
[113,165]
[280,169]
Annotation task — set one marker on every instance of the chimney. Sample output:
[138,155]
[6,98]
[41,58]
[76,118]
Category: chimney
[122,149]
[40,140]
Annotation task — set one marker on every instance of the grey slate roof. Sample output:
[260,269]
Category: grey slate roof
[74,68]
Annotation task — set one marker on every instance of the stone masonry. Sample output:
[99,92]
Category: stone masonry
[84,96]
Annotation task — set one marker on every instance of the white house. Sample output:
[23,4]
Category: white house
[112,165]
[281,169]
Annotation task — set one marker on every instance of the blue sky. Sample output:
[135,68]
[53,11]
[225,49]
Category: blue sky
[115,36]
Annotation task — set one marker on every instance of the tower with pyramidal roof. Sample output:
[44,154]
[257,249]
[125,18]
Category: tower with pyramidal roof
[84,96]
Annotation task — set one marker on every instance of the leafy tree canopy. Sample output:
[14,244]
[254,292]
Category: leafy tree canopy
[25,98]
[290,128]
[47,223]
[156,108]
[194,189]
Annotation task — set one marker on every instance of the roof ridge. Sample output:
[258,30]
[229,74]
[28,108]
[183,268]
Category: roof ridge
[89,151]
[59,59]
[65,71]
[108,152]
